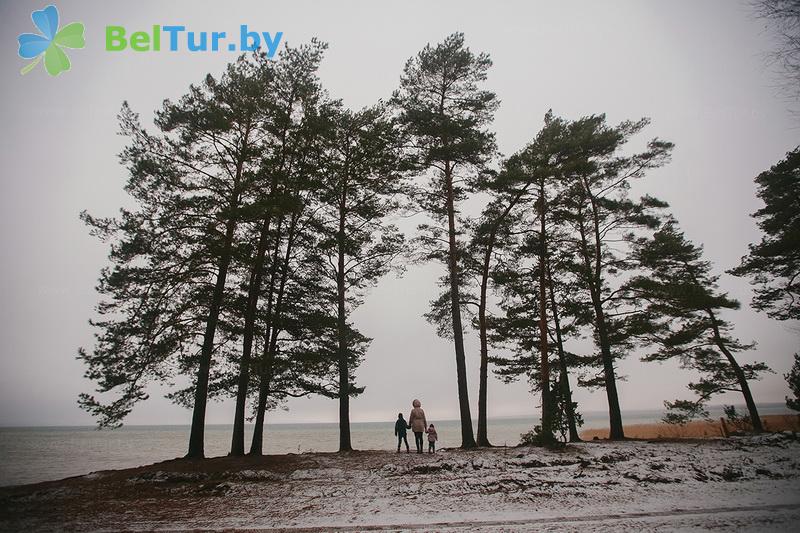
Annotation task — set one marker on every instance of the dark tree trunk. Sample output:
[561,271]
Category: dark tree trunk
[755,419]
[483,429]
[467,435]
[254,289]
[267,356]
[197,434]
[564,370]
[614,412]
[344,372]
[271,337]
[616,431]
[544,376]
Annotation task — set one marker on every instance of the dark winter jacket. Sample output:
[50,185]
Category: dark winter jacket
[400,427]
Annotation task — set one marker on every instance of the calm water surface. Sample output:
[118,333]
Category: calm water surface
[32,454]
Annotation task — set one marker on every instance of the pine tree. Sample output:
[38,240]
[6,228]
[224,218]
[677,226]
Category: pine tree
[599,212]
[683,305]
[444,113]
[489,236]
[171,256]
[774,263]
[292,310]
[535,175]
[360,189]
[294,89]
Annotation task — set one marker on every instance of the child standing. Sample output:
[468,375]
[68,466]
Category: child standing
[400,432]
[432,438]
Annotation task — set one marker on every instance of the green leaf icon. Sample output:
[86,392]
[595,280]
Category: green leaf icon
[55,60]
[49,43]
[71,36]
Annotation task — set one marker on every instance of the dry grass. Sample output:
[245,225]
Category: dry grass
[699,429]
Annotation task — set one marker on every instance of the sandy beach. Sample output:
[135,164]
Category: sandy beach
[735,484]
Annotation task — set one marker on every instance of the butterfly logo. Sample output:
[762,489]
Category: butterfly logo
[49,45]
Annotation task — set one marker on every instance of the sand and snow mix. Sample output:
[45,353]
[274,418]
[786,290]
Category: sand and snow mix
[735,483]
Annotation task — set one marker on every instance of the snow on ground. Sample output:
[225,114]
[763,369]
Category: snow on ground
[736,484]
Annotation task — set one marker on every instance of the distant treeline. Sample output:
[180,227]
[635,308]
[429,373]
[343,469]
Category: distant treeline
[263,212]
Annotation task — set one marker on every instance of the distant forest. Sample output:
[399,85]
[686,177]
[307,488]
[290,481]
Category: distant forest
[262,217]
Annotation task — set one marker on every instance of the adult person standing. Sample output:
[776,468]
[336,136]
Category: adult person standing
[417,423]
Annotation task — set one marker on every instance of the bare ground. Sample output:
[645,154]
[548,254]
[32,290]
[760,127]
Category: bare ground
[736,484]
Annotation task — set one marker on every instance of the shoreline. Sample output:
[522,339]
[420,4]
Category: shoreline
[25,462]
[592,484]
[226,463]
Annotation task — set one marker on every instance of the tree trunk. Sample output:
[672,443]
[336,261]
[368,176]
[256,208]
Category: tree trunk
[562,363]
[253,293]
[614,412]
[267,356]
[254,289]
[271,340]
[256,445]
[344,372]
[483,426]
[755,419]
[483,429]
[467,435]
[197,434]
[616,431]
[267,359]
[544,376]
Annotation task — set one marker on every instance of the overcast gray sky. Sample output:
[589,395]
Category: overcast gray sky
[696,68]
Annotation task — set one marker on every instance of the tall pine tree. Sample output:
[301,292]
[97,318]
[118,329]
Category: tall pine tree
[359,190]
[171,255]
[684,307]
[444,113]
[600,212]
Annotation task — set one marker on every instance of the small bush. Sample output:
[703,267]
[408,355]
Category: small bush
[534,437]
[740,423]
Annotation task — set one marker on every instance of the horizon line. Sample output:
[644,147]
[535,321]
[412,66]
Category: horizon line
[501,417]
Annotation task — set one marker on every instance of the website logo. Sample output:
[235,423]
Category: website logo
[178,38]
[51,43]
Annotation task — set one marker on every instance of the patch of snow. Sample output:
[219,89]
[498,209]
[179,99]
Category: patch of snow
[592,486]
